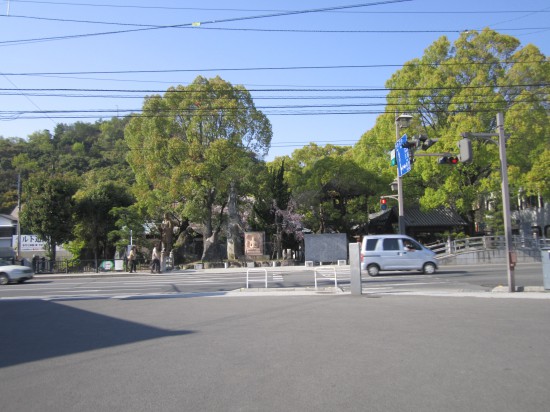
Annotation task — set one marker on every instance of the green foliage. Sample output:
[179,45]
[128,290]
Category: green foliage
[9,148]
[537,180]
[195,145]
[330,188]
[274,209]
[94,207]
[372,153]
[88,156]
[460,88]
[75,247]
[49,208]
[129,225]
[191,145]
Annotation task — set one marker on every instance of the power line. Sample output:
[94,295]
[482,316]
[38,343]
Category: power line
[244,29]
[129,6]
[256,98]
[194,24]
[291,110]
[26,96]
[214,109]
[270,68]
[322,89]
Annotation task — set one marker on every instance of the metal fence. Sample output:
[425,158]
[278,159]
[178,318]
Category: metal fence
[486,243]
[87,266]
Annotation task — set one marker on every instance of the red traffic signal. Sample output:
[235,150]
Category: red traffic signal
[383,203]
[448,160]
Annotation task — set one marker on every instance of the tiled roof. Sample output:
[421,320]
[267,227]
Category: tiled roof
[414,217]
[380,217]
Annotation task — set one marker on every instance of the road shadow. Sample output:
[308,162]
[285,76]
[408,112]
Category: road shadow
[37,330]
[413,273]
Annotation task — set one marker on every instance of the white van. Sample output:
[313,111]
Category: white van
[395,252]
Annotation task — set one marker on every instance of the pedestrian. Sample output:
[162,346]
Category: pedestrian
[155,257]
[35,263]
[132,258]
[125,261]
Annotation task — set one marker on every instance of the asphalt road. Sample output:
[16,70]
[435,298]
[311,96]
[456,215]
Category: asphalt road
[448,279]
[286,353]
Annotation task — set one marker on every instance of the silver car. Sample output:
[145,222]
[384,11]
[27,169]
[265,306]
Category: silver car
[15,273]
[395,252]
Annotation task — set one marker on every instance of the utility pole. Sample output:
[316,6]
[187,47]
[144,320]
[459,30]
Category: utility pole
[511,257]
[19,216]
[510,254]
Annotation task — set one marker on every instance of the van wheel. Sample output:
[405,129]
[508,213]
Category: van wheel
[4,280]
[429,268]
[373,270]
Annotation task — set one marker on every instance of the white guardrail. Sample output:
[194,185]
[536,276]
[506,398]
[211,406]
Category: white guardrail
[255,271]
[325,271]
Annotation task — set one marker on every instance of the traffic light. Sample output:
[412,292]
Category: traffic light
[465,149]
[424,143]
[447,160]
[383,203]
[410,144]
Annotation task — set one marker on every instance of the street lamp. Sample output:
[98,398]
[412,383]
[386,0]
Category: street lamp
[402,121]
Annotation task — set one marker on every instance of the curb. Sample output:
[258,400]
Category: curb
[528,289]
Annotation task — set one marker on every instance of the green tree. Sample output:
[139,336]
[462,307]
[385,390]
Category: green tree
[459,88]
[372,153]
[49,209]
[272,208]
[9,149]
[94,208]
[39,154]
[330,188]
[189,147]
[537,180]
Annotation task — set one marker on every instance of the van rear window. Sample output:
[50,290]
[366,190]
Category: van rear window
[371,244]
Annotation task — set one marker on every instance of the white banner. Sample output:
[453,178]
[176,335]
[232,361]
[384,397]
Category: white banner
[32,243]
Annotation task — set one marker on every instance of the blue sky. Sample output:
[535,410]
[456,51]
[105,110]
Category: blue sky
[254,43]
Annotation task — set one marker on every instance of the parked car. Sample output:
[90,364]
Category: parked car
[395,252]
[14,273]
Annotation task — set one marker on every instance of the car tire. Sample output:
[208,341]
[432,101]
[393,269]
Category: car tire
[373,270]
[429,268]
[4,280]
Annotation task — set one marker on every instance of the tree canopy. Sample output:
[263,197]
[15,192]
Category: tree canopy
[190,146]
[196,153]
[458,88]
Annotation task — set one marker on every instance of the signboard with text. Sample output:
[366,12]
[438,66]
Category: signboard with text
[402,156]
[31,243]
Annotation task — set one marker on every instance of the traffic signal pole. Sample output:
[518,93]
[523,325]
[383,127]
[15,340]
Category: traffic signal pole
[400,203]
